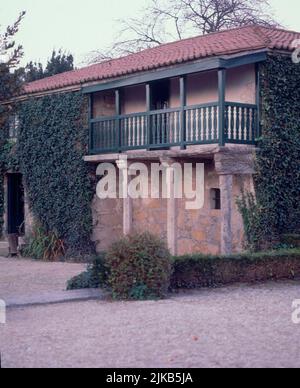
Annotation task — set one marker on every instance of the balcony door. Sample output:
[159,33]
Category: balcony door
[160,100]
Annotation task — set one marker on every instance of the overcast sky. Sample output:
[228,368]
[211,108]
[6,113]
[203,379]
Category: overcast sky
[83,26]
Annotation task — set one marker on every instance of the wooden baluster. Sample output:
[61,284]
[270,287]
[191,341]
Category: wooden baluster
[164,127]
[205,124]
[194,131]
[241,136]
[238,123]
[215,123]
[189,126]
[232,126]
[248,125]
[254,125]
[210,129]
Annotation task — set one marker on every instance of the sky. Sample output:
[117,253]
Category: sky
[84,26]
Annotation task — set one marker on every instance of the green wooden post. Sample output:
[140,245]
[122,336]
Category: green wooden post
[91,115]
[148,107]
[258,112]
[222,94]
[118,122]
[182,112]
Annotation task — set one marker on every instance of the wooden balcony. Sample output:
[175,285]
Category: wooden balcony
[189,125]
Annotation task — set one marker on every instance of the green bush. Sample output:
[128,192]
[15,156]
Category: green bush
[291,240]
[96,276]
[44,246]
[212,271]
[140,267]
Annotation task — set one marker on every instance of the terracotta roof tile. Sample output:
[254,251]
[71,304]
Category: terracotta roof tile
[226,42]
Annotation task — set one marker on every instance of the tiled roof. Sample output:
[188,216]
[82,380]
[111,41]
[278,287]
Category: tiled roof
[233,41]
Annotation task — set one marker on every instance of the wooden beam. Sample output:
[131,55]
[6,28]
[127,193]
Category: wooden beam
[118,121]
[182,82]
[177,71]
[148,108]
[222,96]
[257,75]
[91,116]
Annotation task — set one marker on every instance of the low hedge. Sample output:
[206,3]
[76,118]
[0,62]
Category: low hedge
[291,239]
[199,271]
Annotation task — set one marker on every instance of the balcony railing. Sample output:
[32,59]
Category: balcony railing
[172,127]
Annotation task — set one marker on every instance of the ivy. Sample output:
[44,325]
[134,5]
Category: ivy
[52,142]
[277,181]
[8,162]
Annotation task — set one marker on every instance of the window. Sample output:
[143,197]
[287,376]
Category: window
[14,124]
[215,199]
[160,95]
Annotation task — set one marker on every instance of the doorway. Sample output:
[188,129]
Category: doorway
[15,204]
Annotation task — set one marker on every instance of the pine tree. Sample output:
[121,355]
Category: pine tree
[10,80]
[59,62]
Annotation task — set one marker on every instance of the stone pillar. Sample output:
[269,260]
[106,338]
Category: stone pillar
[230,162]
[127,201]
[226,186]
[171,206]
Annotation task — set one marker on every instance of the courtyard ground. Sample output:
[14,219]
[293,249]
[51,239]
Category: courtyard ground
[238,326]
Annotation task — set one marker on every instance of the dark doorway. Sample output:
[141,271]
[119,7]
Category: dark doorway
[160,101]
[15,204]
[160,95]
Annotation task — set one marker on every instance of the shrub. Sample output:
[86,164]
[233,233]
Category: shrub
[211,271]
[140,267]
[96,276]
[44,246]
[291,240]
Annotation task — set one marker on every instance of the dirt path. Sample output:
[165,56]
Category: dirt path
[27,277]
[244,326]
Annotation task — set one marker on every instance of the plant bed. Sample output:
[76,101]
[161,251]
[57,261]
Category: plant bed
[199,271]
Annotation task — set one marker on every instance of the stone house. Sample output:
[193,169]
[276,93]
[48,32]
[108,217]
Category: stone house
[192,101]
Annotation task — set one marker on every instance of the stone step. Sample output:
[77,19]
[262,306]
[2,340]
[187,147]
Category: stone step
[4,248]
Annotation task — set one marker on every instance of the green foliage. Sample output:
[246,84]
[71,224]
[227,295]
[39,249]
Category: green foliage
[95,276]
[52,142]
[8,162]
[211,271]
[253,220]
[44,246]
[10,85]
[139,266]
[278,162]
[291,239]
[277,181]
[59,62]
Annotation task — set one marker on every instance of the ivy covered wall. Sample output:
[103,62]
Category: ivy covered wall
[278,157]
[52,141]
[9,161]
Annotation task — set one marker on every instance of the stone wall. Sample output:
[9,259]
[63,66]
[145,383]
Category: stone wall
[197,230]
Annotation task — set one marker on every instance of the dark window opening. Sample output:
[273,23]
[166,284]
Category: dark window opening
[215,199]
[160,95]
[15,204]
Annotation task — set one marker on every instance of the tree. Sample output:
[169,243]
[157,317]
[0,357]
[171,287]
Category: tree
[168,20]
[10,80]
[59,62]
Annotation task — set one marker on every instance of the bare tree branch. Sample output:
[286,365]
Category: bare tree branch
[168,20]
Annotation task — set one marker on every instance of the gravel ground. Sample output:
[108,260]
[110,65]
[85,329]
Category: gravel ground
[241,326]
[28,277]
